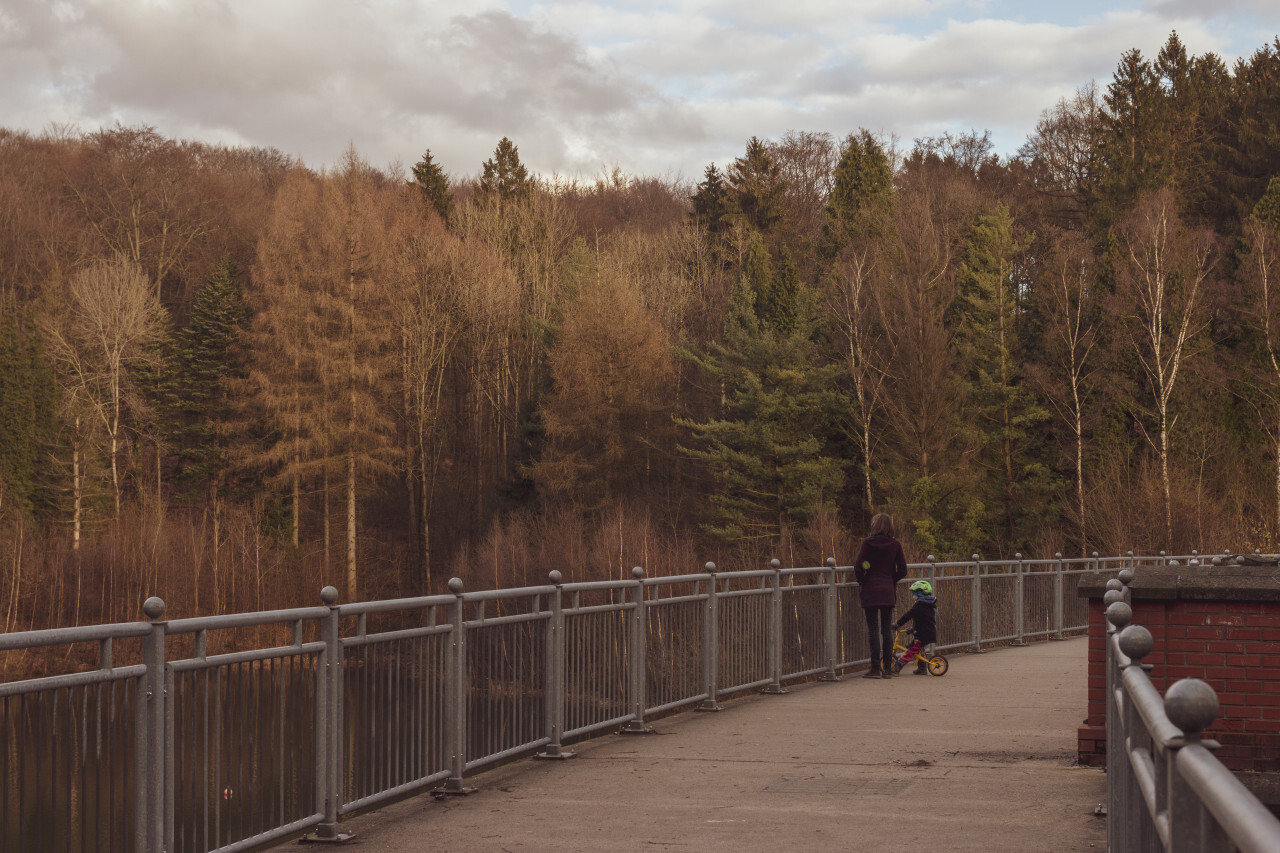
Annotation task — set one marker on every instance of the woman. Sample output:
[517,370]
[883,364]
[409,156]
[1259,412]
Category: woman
[879,567]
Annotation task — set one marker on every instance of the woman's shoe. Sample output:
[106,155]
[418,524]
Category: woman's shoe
[873,672]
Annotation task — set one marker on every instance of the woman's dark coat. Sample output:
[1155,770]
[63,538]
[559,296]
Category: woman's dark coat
[878,568]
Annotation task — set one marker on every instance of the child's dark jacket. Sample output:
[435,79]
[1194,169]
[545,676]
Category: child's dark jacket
[924,614]
[878,568]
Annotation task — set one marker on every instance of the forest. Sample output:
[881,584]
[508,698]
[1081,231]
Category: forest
[229,379]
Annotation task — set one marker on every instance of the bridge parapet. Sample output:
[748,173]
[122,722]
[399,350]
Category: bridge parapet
[1166,789]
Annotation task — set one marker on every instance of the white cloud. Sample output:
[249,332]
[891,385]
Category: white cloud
[655,88]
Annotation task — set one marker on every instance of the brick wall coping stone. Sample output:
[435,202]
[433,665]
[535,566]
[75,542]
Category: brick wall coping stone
[1228,582]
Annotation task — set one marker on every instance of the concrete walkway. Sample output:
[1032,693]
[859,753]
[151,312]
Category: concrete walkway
[979,759]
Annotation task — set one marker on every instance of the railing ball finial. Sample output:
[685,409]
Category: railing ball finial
[1136,642]
[775,564]
[555,577]
[1161,554]
[710,567]
[1017,555]
[1175,563]
[1125,576]
[1240,560]
[1112,596]
[1129,553]
[1191,705]
[831,562]
[1115,583]
[931,558]
[153,607]
[1095,555]
[637,572]
[455,586]
[1217,561]
[1119,614]
[1057,555]
[975,557]
[329,595]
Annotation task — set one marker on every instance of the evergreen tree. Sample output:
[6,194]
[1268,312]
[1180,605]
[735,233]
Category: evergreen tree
[756,182]
[1007,415]
[206,356]
[767,453]
[504,177]
[711,205]
[433,184]
[27,392]
[861,202]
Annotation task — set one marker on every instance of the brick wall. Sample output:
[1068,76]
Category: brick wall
[1233,645]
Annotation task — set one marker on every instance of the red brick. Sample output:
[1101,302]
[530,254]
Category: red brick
[1185,619]
[1206,634]
[1247,607]
[1202,607]
[1173,645]
[1203,659]
[1264,620]
[1175,672]
[1226,647]
[1246,685]
[1223,674]
[1237,619]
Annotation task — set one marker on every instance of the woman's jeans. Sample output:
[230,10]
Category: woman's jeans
[880,634]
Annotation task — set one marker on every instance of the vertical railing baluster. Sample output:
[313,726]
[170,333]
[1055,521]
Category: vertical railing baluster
[773,643]
[711,641]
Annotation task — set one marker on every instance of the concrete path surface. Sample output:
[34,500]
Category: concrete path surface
[979,759]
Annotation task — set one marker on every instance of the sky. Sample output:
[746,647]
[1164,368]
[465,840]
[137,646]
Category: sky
[659,88]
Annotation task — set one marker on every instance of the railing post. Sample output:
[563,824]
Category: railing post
[933,579]
[711,642]
[773,646]
[975,605]
[555,650]
[1117,617]
[1059,581]
[638,659]
[1135,643]
[830,622]
[150,752]
[1192,706]
[329,709]
[455,712]
[1019,602]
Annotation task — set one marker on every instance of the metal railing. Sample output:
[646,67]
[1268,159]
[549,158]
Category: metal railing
[1165,789]
[211,741]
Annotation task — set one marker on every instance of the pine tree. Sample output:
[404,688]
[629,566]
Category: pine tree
[207,356]
[768,452]
[27,394]
[1007,414]
[433,184]
[860,206]
[756,182]
[504,177]
[711,206]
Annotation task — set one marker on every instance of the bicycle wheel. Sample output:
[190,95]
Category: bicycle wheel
[938,665]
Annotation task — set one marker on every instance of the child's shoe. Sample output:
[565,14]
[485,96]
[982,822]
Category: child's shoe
[921,669]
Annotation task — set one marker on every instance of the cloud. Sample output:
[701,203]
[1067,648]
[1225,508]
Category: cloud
[654,87]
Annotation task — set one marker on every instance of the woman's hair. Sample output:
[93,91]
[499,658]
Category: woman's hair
[882,524]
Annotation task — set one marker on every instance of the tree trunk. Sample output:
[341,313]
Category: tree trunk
[77,488]
[351,525]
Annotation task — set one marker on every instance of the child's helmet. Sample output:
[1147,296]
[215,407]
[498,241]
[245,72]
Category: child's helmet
[922,587]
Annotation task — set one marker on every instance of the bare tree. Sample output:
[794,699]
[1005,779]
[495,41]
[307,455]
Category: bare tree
[1066,377]
[101,340]
[1261,274]
[1161,301]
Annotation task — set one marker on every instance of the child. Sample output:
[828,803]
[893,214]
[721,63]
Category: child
[924,615]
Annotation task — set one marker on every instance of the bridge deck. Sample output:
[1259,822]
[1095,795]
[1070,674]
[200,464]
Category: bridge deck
[980,759]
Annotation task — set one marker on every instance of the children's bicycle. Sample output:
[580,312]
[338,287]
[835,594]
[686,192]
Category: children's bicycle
[936,664]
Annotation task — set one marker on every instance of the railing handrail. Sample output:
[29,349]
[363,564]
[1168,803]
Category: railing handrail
[1165,788]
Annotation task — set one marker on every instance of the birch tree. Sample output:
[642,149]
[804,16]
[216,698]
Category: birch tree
[1161,277]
